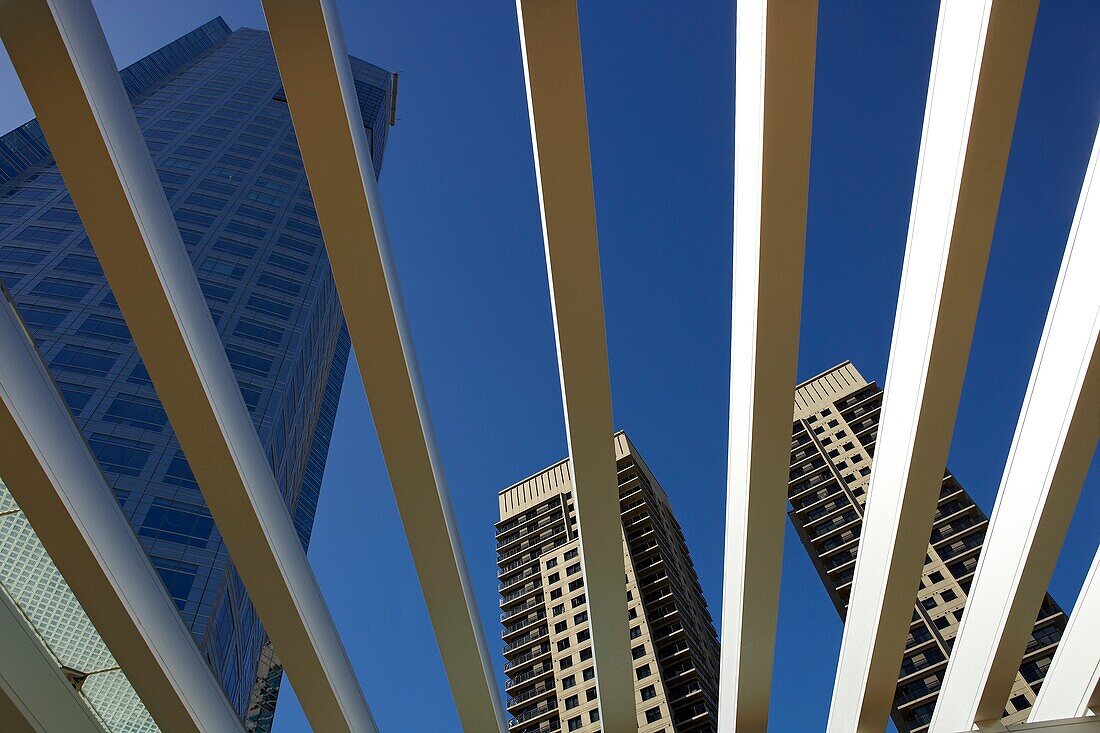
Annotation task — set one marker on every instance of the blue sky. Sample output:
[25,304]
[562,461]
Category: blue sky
[458,186]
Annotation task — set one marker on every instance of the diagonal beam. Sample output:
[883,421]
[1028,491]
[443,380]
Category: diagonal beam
[977,72]
[56,481]
[65,65]
[313,63]
[35,696]
[551,46]
[1072,684]
[1055,438]
[775,56]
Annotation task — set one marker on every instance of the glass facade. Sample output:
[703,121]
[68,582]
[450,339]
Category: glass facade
[213,114]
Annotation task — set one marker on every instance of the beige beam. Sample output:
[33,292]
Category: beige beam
[313,63]
[775,54]
[65,65]
[1072,683]
[551,46]
[1054,443]
[978,65]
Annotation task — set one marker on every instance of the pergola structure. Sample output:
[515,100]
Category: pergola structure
[981,50]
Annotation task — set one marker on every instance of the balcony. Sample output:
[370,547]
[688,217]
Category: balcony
[525,640]
[534,693]
[542,709]
[531,674]
[517,594]
[527,657]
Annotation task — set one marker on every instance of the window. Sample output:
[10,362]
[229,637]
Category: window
[138,412]
[187,524]
[949,595]
[635,632]
[563,644]
[594,715]
[936,577]
[653,715]
[43,235]
[270,307]
[585,654]
[559,609]
[301,267]
[82,264]
[589,673]
[234,247]
[38,316]
[638,652]
[643,672]
[110,329]
[77,397]
[567,682]
[575,723]
[247,230]
[561,626]
[571,554]
[62,289]
[208,202]
[571,702]
[178,577]
[555,594]
[565,662]
[248,362]
[84,360]
[282,284]
[574,568]
[581,617]
[584,635]
[255,331]
[179,472]
[213,291]
[119,455]
[553,578]
[590,694]
[649,692]
[576,584]
[21,255]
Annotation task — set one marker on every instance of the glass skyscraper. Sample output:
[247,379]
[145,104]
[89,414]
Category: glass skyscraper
[212,111]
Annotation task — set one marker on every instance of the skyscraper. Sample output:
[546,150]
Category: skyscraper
[551,679]
[212,111]
[836,417]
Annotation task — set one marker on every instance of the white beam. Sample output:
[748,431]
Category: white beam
[774,66]
[1072,684]
[977,72]
[56,481]
[313,63]
[1055,439]
[551,46]
[35,695]
[65,65]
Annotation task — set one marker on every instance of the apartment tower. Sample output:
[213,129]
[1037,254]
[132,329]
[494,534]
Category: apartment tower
[547,649]
[836,417]
[211,108]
